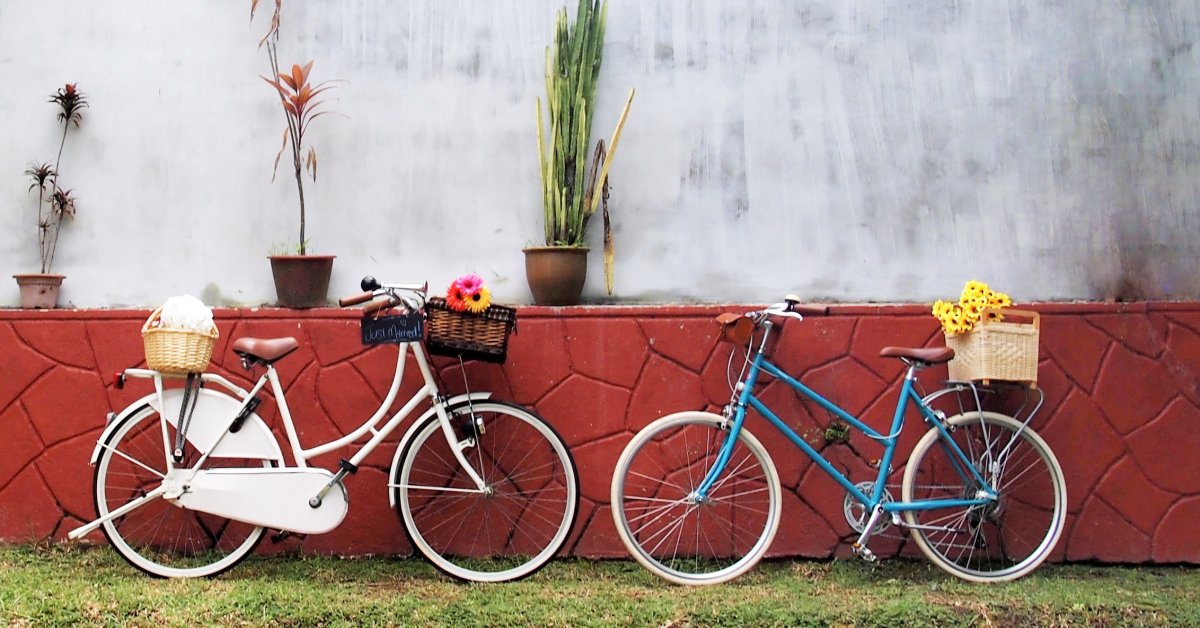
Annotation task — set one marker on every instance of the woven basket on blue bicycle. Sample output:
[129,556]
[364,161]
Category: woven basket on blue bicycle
[482,336]
[1005,351]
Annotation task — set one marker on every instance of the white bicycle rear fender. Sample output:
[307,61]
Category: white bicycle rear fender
[214,411]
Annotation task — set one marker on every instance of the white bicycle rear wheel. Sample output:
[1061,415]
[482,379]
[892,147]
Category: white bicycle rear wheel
[158,537]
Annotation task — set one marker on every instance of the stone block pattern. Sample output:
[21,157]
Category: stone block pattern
[1121,383]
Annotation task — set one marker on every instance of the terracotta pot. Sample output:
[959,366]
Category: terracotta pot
[556,273]
[301,281]
[39,290]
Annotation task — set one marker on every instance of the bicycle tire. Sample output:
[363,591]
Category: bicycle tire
[508,533]
[1003,540]
[672,536]
[159,538]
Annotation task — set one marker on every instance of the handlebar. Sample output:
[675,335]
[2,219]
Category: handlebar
[739,328]
[375,306]
[790,308]
[411,296]
[356,299]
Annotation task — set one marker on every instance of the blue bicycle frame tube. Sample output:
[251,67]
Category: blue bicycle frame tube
[746,398]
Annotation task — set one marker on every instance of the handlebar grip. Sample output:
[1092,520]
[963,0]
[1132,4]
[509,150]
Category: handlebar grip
[375,306]
[808,310]
[356,299]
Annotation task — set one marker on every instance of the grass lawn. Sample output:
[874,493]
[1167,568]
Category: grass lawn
[69,585]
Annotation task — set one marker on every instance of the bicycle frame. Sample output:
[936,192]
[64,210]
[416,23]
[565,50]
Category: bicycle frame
[876,500]
[428,391]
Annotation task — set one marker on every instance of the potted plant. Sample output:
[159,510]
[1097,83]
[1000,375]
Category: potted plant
[55,204]
[571,191]
[301,280]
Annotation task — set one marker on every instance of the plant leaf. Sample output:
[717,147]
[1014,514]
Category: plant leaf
[312,162]
[290,80]
[300,75]
[275,169]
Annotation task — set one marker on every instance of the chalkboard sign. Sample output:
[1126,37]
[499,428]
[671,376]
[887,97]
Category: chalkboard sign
[392,329]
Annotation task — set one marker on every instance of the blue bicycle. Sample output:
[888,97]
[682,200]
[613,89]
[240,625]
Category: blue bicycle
[696,497]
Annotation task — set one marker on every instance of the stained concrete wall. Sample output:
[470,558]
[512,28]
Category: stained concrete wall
[878,150]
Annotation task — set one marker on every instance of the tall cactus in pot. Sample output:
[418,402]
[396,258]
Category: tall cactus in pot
[571,190]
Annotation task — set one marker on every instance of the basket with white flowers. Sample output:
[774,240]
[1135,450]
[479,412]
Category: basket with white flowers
[179,336]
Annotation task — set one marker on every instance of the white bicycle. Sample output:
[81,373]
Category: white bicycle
[188,479]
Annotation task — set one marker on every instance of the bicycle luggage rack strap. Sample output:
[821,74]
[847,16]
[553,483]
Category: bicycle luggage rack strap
[482,336]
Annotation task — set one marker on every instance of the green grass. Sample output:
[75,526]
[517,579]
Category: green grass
[64,585]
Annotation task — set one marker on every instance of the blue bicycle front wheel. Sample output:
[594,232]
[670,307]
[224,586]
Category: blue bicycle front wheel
[669,529]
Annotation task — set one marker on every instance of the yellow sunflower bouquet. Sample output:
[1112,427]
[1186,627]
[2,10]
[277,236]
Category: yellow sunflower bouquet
[961,317]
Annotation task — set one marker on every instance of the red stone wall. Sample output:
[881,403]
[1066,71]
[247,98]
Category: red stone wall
[1122,410]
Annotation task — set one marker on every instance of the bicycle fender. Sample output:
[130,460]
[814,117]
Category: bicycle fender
[412,431]
[214,411]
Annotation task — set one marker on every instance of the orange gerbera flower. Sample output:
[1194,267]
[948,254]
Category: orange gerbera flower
[455,299]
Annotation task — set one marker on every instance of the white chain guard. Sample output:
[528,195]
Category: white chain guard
[273,498]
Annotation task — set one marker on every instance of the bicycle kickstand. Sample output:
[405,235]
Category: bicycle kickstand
[860,546]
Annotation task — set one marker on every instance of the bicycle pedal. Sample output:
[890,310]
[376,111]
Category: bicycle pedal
[283,535]
[875,463]
[864,552]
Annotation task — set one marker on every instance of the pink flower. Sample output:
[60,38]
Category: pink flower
[469,284]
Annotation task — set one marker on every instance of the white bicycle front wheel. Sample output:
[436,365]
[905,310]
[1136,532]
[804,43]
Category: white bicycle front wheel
[518,522]
[158,537]
[665,526]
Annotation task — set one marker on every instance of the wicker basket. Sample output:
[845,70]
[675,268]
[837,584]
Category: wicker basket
[176,351]
[997,350]
[482,336]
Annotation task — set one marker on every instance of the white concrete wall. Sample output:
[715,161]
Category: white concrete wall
[881,150]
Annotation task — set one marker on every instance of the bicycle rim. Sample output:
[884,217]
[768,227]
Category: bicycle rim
[666,529]
[158,537]
[996,542]
[522,519]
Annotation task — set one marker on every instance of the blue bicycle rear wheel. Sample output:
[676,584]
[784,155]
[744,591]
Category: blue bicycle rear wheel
[1002,540]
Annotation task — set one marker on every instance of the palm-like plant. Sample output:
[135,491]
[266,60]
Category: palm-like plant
[71,103]
[55,203]
[300,106]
